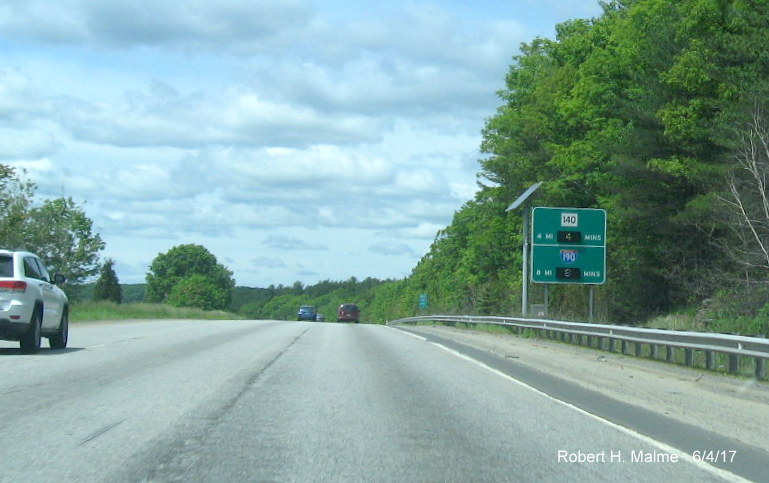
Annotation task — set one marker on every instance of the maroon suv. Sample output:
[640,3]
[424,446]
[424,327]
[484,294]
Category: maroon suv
[348,313]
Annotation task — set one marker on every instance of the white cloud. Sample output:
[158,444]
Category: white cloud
[268,262]
[196,120]
[287,243]
[317,167]
[20,100]
[200,24]
[421,231]
[21,144]
[393,249]
[38,168]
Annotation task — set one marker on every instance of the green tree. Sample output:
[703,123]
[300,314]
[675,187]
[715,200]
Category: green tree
[181,262]
[62,235]
[107,286]
[16,196]
[57,230]
[198,291]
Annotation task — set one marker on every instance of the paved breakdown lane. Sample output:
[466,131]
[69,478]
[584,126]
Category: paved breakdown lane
[290,401]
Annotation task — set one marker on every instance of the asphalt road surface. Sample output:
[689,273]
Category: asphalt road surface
[299,401]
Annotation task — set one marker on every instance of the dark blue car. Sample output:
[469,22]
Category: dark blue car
[307,312]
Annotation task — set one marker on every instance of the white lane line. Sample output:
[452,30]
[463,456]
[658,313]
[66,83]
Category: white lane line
[721,473]
[408,333]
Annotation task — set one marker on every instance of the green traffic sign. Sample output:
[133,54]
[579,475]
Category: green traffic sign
[423,303]
[568,245]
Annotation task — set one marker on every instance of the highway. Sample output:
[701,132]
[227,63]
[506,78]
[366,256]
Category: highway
[300,401]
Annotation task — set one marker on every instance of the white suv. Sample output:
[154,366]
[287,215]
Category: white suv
[31,304]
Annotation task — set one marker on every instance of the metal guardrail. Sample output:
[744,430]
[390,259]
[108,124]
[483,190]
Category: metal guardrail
[605,336]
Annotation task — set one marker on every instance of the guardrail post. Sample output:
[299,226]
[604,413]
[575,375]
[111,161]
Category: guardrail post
[760,369]
[670,354]
[612,343]
[655,351]
[734,363]
[689,358]
[710,360]
[623,347]
[638,349]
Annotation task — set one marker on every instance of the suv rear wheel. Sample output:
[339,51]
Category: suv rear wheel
[59,340]
[30,342]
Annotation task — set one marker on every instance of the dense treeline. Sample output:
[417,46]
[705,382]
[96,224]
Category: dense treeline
[282,302]
[641,112]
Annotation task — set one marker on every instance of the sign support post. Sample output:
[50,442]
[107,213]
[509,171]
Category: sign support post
[523,200]
[525,278]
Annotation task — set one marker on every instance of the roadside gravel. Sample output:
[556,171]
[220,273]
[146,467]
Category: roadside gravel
[734,407]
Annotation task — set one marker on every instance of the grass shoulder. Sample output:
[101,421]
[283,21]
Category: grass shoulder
[90,311]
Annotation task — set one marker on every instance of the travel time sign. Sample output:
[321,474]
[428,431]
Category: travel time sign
[568,245]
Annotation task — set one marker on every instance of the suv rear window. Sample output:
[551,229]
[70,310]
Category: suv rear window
[6,266]
[31,269]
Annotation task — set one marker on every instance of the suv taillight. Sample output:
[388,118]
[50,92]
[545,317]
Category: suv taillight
[13,285]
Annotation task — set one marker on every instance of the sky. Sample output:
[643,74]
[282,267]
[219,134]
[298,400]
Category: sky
[297,140]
